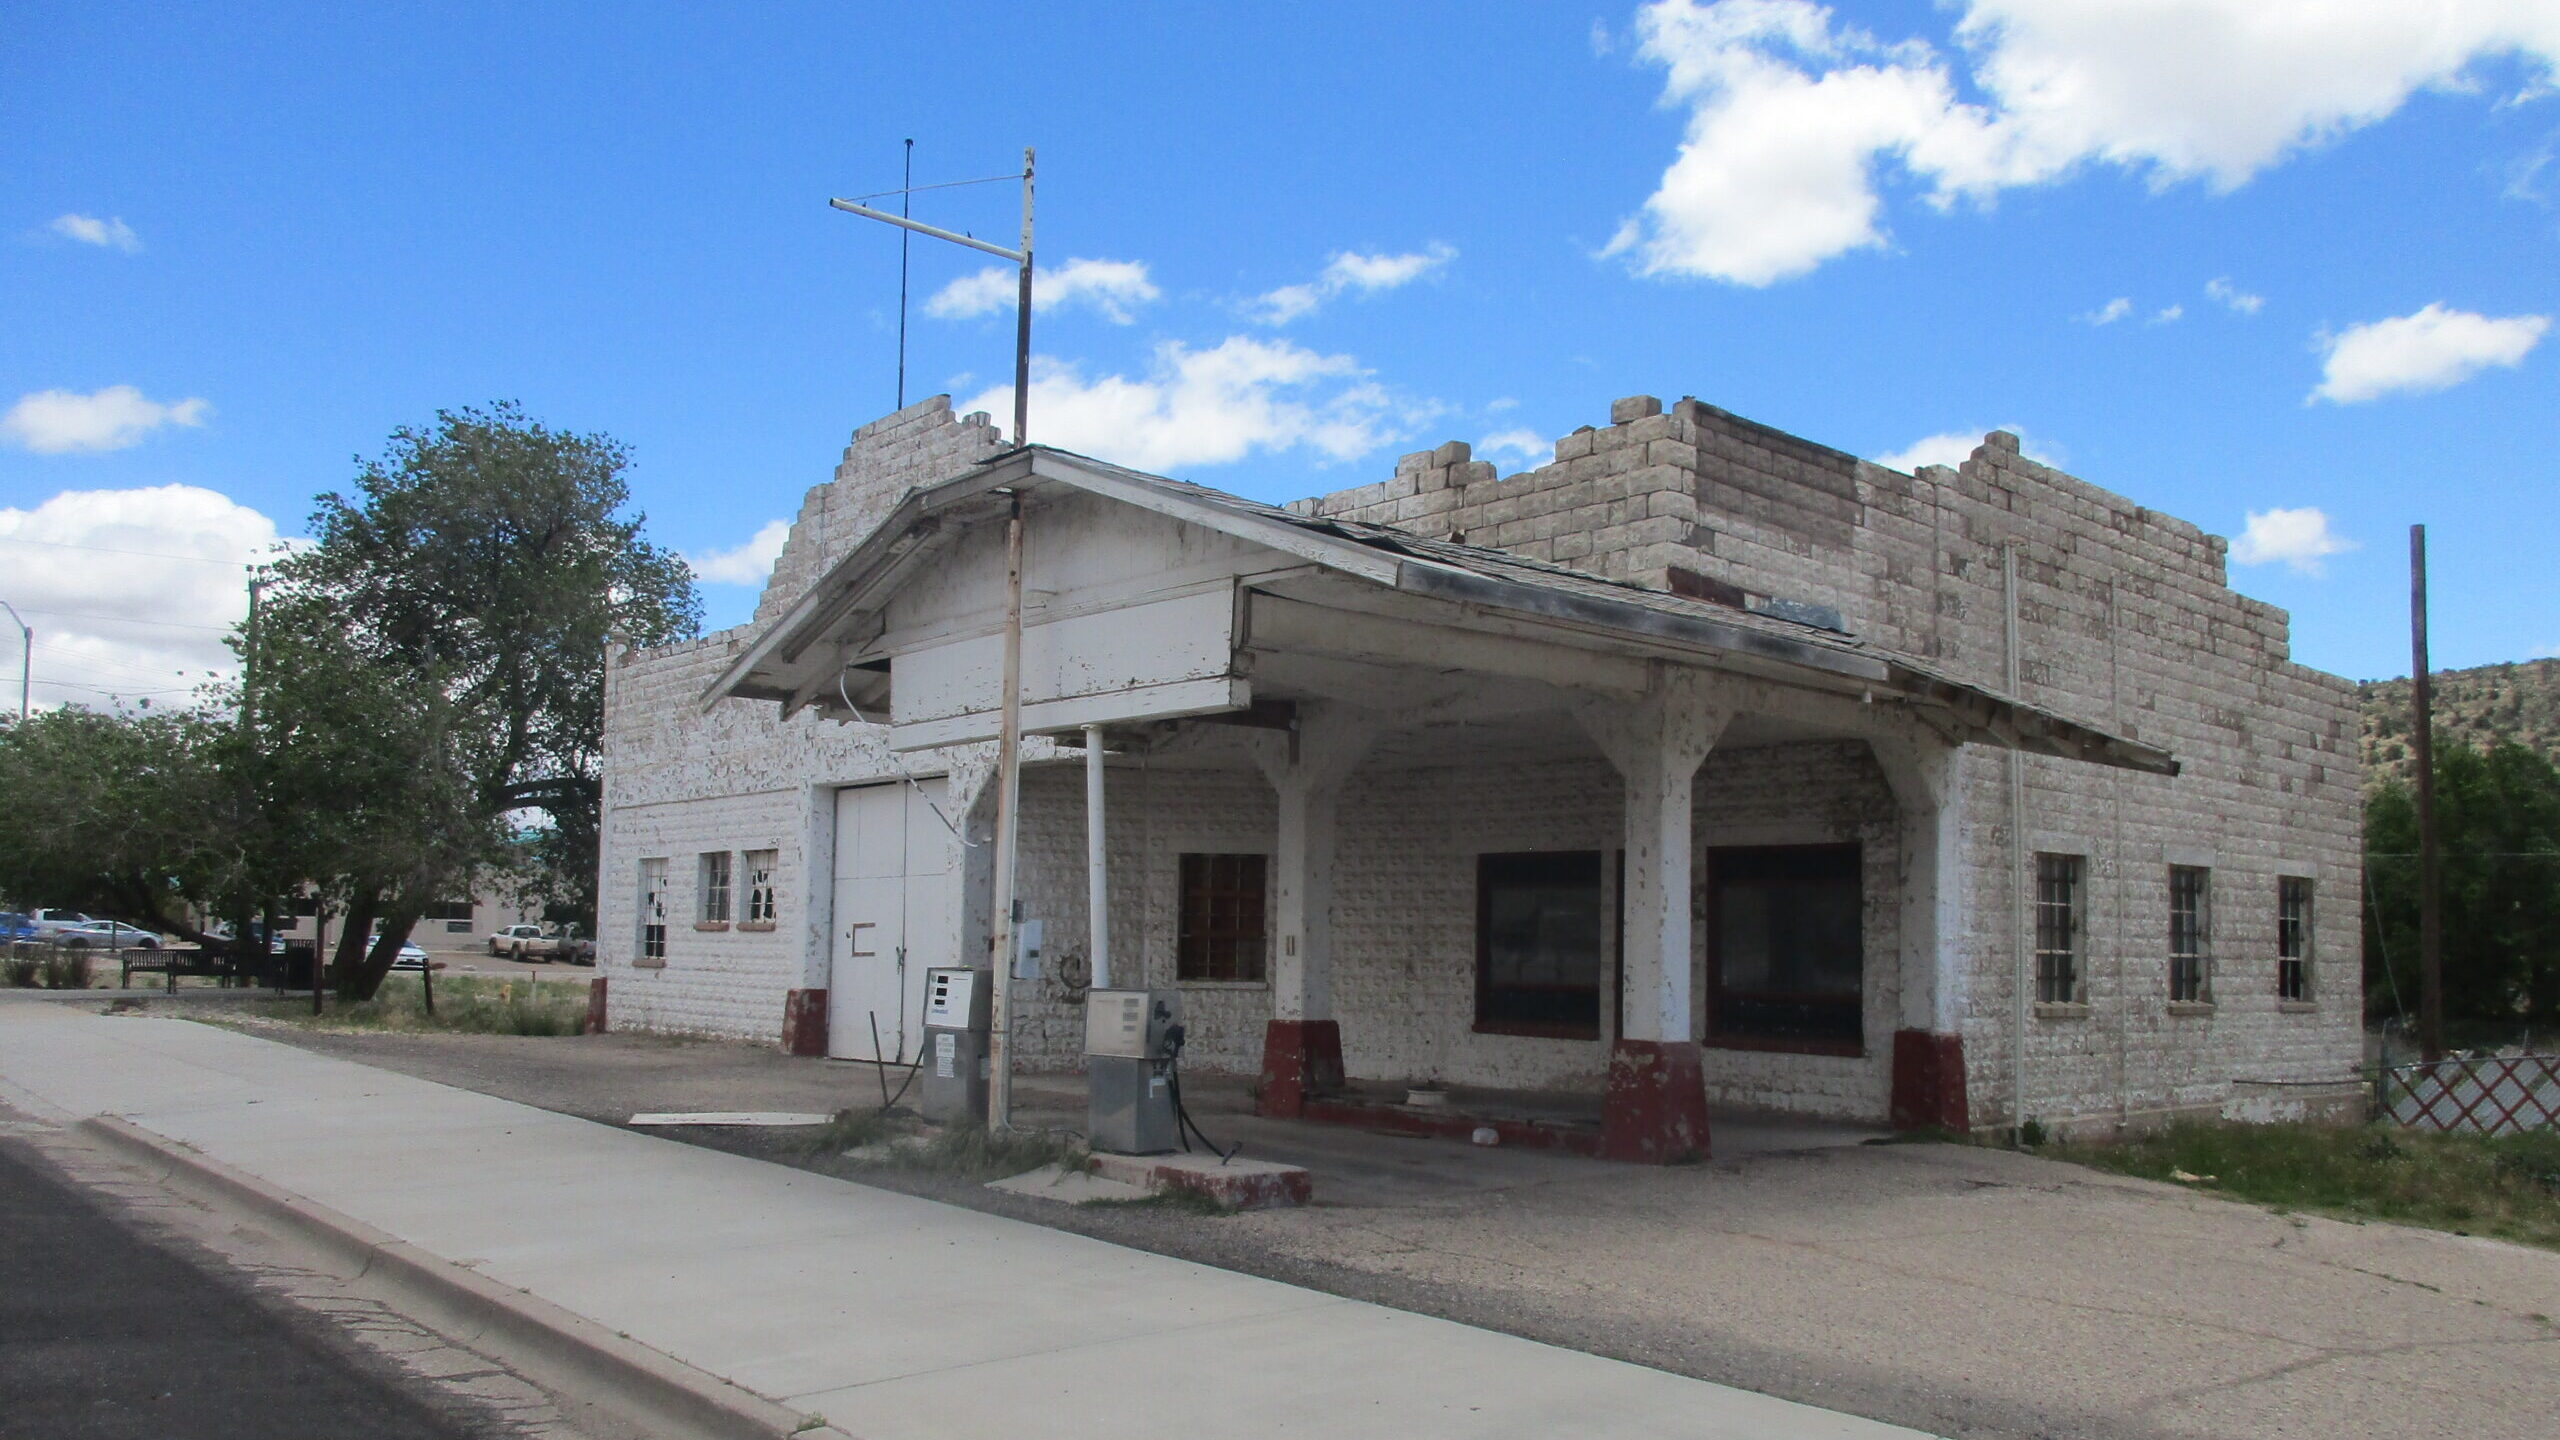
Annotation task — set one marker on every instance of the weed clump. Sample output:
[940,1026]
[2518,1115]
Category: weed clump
[2507,1186]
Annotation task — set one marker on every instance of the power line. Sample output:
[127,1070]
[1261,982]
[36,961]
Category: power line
[113,550]
[129,620]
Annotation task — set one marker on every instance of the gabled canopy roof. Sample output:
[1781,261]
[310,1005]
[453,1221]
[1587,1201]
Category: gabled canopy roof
[801,658]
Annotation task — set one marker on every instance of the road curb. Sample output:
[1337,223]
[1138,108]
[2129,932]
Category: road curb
[645,1389]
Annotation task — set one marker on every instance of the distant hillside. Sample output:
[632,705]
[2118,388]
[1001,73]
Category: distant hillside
[2519,702]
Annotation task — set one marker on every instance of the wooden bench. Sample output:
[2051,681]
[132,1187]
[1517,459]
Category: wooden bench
[174,963]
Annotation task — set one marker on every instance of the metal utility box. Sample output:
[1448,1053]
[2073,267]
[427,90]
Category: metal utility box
[956,1006]
[1128,1063]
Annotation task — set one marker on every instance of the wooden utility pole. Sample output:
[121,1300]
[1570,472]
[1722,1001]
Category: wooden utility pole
[2422,748]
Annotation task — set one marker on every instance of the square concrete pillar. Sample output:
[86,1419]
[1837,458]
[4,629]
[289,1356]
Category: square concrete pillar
[1302,1044]
[1655,1109]
[1928,1048]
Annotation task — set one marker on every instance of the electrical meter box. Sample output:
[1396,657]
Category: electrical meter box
[956,1005]
[1129,1061]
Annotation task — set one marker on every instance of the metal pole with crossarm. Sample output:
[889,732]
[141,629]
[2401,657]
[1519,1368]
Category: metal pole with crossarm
[1001,941]
[1021,258]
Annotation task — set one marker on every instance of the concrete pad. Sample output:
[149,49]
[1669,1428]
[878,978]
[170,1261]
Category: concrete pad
[1075,1187]
[1238,1184]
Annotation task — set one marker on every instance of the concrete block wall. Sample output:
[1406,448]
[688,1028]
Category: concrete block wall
[2125,621]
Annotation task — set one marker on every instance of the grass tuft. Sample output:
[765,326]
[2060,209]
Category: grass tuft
[2507,1187]
[469,1005]
[966,1152]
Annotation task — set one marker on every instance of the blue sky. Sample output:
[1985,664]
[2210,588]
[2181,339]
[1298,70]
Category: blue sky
[237,248]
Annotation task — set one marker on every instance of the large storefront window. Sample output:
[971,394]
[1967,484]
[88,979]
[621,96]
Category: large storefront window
[1538,944]
[1786,961]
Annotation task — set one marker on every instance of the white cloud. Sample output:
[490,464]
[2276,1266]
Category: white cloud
[1349,271]
[1112,287]
[2233,297]
[1532,447]
[1793,118]
[129,591]
[2111,312]
[56,422]
[748,563]
[2429,350]
[108,234]
[1954,447]
[2301,539]
[1206,407]
[2169,316]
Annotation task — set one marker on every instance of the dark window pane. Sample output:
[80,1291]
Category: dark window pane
[1220,932]
[1785,943]
[1538,942]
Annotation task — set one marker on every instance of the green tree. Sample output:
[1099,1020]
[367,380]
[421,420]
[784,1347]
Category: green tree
[434,664]
[2498,823]
[128,816]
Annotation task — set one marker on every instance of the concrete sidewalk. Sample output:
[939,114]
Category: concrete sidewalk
[887,1315]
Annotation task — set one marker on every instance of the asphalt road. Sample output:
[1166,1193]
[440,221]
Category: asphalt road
[105,1335]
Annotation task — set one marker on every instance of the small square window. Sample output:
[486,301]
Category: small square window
[2293,938]
[715,887]
[1224,934]
[2190,922]
[760,899]
[2058,926]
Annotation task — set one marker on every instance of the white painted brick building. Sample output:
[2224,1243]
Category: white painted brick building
[1840,930]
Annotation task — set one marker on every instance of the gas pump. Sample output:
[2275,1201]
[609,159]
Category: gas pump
[1132,1040]
[957,1004]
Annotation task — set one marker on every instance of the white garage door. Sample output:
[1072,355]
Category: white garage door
[897,914]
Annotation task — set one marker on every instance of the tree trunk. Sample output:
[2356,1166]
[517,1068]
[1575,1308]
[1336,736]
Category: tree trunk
[365,976]
[362,906]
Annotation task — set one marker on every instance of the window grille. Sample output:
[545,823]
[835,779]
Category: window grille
[715,886]
[653,909]
[2058,929]
[760,900]
[2189,919]
[2293,938]
[1223,922]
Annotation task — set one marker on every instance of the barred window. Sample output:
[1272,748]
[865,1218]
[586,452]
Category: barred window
[653,909]
[2058,929]
[1223,929]
[715,887]
[2190,919]
[2293,938]
[760,903]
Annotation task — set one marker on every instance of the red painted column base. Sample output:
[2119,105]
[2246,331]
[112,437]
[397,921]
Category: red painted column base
[595,1007]
[1301,1060]
[1655,1111]
[1928,1082]
[804,1022]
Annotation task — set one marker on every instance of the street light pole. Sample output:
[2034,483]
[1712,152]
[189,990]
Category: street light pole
[26,657]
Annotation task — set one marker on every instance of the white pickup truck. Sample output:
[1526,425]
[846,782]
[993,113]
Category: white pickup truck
[526,942]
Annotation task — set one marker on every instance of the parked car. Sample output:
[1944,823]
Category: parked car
[16,925]
[49,921]
[525,942]
[410,957]
[105,935]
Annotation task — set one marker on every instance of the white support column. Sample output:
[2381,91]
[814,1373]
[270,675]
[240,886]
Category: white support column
[1097,862]
[1302,1049]
[1657,745]
[1924,773]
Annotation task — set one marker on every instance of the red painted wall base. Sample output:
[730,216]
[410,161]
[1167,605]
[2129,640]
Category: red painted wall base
[595,1007]
[1928,1081]
[1655,1111]
[1301,1060]
[804,1022]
